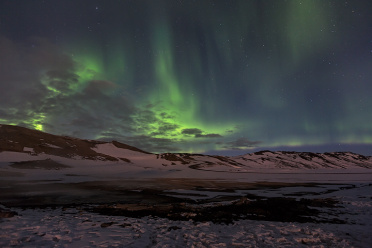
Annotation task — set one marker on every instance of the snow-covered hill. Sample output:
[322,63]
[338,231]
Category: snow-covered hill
[305,160]
[18,144]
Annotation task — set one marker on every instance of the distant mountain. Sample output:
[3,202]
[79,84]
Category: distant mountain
[306,160]
[19,144]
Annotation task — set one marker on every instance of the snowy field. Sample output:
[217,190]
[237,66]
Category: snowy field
[78,227]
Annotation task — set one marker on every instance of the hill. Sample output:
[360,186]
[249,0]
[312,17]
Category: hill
[19,144]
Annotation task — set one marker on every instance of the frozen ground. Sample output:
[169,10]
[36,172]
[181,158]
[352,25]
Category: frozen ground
[58,201]
[77,227]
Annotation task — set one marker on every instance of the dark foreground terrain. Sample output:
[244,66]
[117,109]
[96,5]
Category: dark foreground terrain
[184,213]
[183,199]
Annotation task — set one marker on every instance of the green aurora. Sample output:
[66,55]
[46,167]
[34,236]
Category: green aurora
[185,76]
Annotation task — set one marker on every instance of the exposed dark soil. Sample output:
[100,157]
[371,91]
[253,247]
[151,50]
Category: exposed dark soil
[46,164]
[271,209]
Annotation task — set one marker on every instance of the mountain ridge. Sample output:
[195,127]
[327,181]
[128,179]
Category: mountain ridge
[36,143]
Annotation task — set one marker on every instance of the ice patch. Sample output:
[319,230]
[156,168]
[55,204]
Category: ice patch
[28,149]
[52,146]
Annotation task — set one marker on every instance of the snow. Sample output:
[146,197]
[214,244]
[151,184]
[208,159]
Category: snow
[28,149]
[52,146]
[74,227]
[16,156]
[279,160]
[7,156]
[113,151]
[148,166]
[197,194]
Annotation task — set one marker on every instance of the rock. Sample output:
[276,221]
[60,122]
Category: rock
[4,213]
[107,224]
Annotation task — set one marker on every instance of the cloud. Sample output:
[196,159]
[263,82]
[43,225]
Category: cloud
[165,129]
[23,69]
[88,113]
[210,135]
[145,142]
[191,131]
[198,133]
[239,144]
[40,85]
[150,143]
[99,86]
[149,120]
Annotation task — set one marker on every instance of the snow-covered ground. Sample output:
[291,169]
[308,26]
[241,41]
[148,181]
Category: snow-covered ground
[75,227]
[198,181]
[149,166]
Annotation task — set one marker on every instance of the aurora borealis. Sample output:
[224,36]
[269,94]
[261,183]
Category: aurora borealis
[191,76]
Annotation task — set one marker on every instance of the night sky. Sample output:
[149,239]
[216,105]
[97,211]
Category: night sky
[217,77]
